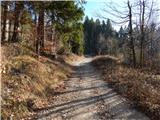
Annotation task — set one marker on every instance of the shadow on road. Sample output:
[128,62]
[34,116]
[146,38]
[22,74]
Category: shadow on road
[90,90]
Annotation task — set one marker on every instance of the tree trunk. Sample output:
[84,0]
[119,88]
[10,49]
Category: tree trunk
[40,29]
[142,37]
[9,30]
[131,35]
[35,32]
[4,22]
[35,18]
[18,9]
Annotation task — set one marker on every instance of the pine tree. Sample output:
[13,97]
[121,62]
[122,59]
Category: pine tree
[109,29]
[19,5]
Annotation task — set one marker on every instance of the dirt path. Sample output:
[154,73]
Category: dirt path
[88,97]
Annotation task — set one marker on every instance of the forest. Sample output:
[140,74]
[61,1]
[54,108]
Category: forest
[57,63]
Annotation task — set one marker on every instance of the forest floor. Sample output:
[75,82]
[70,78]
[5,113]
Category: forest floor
[86,96]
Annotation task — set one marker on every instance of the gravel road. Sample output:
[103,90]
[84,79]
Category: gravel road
[88,97]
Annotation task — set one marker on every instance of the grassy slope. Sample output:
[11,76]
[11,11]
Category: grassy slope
[142,86]
[27,82]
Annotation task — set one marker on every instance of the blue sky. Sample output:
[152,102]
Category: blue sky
[92,7]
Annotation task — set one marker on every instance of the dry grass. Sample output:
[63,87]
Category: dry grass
[73,57]
[29,83]
[141,86]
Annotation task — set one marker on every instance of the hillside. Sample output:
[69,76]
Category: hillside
[29,82]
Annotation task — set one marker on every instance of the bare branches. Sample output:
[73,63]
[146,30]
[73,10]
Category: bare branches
[139,13]
[111,10]
[116,14]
